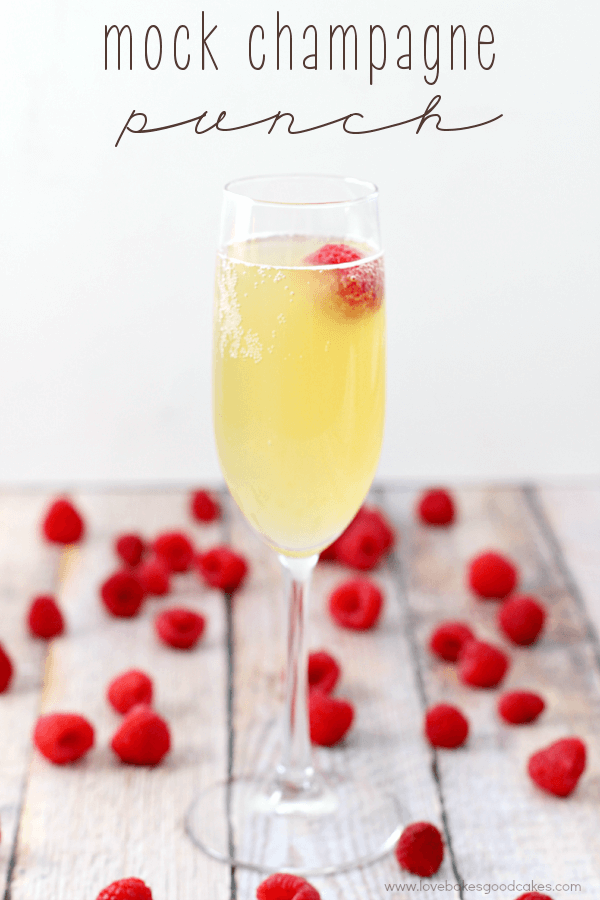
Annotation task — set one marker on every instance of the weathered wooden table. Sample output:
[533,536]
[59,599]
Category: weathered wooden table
[69,831]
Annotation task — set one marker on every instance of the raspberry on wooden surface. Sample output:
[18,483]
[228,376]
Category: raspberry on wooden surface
[329,718]
[520,707]
[44,618]
[143,737]
[176,549]
[557,768]
[534,895]
[179,627]
[366,540]
[126,889]
[481,664]
[323,671]
[448,639]
[356,604]
[129,689]
[283,886]
[204,506]
[420,849]
[492,576]
[122,594]
[445,726]
[63,737]
[154,575]
[521,617]
[222,568]
[62,524]
[129,548]
[436,507]
[6,669]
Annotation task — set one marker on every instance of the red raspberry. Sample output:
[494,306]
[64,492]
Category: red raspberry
[323,671]
[356,604]
[129,689]
[126,889]
[481,664]
[222,568]
[534,895]
[360,287]
[436,507]
[6,669]
[448,639]
[333,255]
[62,523]
[175,549]
[557,768]
[130,548]
[520,707]
[330,718]
[286,887]
[122,594]
[154,576]
[45,618]
[445,726]
[204,506]
[420,849]
[179,627]
[63,737]
[492,576]
[521,618]
[365,541]
[143,737]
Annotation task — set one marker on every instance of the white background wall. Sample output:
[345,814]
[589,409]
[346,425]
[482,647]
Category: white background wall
[107,254]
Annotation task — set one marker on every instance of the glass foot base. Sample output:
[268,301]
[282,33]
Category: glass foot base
[338,825]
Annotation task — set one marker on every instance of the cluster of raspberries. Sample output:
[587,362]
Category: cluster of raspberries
[520,619]
[142,739]
[355,604]
[146,569]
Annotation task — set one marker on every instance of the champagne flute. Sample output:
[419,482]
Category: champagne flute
[299,385]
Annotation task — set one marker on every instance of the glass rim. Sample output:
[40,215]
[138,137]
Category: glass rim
[370,190]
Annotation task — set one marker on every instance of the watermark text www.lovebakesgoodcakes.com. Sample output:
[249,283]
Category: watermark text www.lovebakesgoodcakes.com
[482,887]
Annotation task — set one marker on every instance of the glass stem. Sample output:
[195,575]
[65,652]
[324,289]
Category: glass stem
[295,770]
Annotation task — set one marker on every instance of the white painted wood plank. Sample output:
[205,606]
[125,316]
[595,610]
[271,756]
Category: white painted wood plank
[574,515]
[503,828]
[89,823]
[28,566]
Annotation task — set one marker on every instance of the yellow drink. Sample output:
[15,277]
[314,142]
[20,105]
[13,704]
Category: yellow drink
[299,384]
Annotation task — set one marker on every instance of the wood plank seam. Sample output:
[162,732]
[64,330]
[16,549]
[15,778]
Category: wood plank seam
[396,571]
[229,701]
[535,506]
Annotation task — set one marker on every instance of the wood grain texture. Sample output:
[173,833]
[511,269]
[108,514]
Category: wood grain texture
[28,567]
[503,828]
[84,825]
[89,823]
